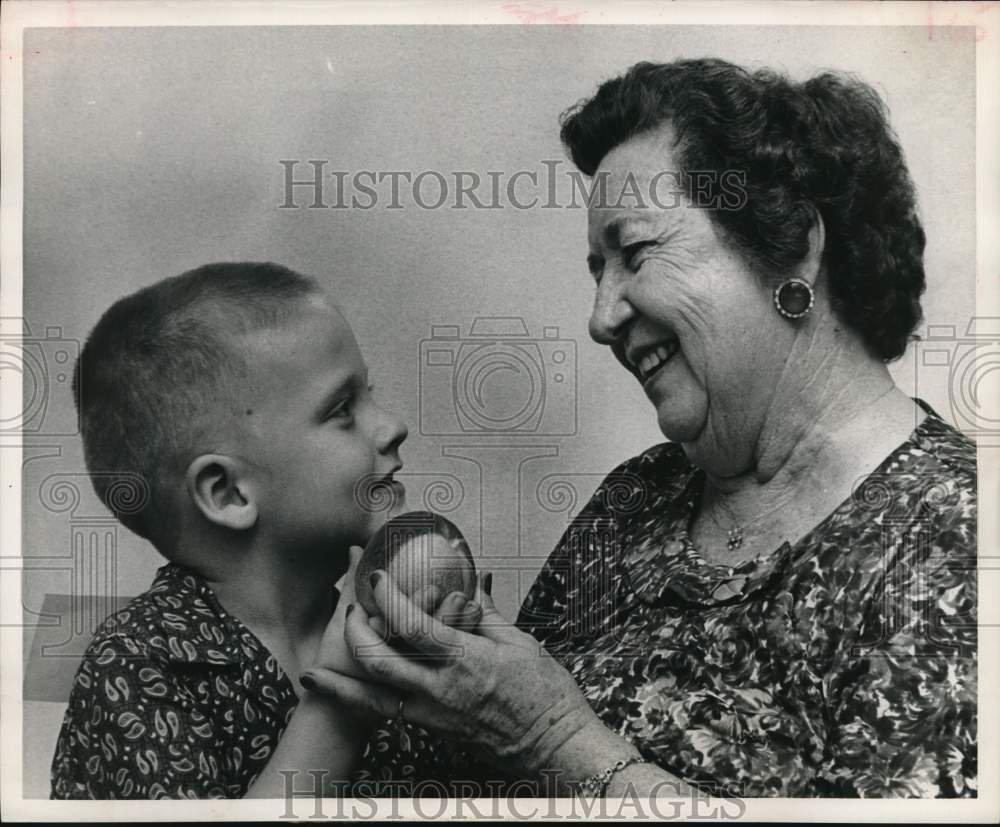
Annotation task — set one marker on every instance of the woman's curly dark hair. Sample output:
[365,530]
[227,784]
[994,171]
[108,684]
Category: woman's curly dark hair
[823,146]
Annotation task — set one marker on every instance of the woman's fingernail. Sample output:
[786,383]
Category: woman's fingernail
[350,609]
[308,681]
[488,583]
[375,578]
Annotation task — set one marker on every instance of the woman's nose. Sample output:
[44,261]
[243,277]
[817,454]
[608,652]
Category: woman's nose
[611,312]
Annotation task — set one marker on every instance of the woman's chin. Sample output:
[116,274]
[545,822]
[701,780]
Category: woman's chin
[679,423]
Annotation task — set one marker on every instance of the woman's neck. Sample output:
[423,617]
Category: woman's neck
[829,381]
[835,416]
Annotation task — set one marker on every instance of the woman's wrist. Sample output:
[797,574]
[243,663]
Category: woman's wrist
[590,751]
[597,762]
[596,785]
[646,778]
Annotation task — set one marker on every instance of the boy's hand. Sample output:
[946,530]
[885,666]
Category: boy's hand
[334,652]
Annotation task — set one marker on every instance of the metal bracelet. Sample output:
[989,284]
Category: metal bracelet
[597,784]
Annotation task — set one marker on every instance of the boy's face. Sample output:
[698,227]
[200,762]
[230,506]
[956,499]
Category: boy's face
[314,437]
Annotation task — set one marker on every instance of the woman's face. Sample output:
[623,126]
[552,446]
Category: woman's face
[680,309]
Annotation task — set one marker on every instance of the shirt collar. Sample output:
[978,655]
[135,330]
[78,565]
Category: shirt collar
[193,626]
[204,634]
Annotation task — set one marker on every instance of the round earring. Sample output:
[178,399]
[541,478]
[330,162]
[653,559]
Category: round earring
[794,298]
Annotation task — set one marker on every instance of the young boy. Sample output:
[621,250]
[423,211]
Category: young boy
[238,393]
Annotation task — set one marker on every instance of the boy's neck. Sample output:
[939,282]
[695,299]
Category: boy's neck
[275,595]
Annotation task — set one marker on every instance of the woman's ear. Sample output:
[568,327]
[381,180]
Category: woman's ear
[220,491]
[809,268]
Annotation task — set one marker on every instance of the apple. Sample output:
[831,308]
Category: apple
[417,548]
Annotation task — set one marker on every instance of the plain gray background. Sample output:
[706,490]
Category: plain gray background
[151,151]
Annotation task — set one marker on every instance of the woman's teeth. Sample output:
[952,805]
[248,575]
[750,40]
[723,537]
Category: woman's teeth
[652,361]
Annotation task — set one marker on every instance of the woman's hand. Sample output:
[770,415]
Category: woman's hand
[334,652]
[497,691]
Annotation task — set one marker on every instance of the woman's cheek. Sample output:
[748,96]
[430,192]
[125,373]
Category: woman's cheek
[683,411]
[694,351]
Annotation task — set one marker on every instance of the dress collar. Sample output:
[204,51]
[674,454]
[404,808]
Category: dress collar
[666,566]
[663,565]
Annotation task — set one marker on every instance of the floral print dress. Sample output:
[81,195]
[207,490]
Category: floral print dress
[843,665]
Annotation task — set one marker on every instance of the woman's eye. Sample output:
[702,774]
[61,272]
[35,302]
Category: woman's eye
[631,251]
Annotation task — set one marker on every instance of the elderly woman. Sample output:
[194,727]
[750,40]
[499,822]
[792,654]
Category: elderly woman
[784,602]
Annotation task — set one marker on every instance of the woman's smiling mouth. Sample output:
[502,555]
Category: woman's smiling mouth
[648,362]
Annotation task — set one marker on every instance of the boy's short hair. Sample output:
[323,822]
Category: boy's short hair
[157,372]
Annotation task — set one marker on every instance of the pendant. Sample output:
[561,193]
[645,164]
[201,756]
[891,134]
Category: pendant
[735,538]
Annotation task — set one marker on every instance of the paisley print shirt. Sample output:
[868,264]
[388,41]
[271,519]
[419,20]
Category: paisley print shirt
[843,665]
[176,698]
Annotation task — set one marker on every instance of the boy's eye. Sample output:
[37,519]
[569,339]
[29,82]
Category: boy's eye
[342,409]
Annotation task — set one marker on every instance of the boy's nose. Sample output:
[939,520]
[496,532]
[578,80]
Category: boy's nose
[392,433]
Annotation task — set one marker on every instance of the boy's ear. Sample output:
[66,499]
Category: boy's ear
[220,491]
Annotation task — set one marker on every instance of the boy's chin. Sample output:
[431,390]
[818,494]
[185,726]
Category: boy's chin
[398,507]
[389,511]
[397,501]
